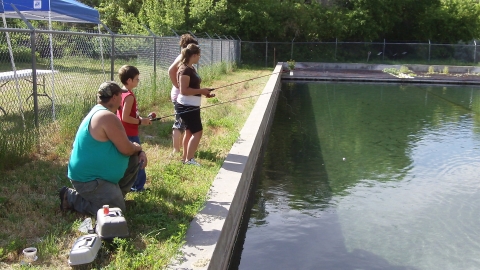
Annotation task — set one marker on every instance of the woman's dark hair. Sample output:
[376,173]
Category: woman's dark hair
[187,52]
[186,39]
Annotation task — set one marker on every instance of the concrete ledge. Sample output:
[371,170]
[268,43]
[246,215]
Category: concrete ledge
[360,66]
[211,236]
[376,80]
[346,72]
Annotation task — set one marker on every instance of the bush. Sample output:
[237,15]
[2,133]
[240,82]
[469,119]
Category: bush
[20,53]
[445,70]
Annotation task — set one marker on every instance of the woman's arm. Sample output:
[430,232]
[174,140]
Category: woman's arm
[172,71]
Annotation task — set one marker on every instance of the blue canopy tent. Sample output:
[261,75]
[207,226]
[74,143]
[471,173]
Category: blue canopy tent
[51,10]
[48,10]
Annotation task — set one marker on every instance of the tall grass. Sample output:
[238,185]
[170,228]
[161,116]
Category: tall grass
[157,219]
[17,143]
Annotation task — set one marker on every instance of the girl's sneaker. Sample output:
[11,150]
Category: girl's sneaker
[192,162]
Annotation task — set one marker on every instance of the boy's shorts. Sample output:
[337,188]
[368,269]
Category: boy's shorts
[178,124]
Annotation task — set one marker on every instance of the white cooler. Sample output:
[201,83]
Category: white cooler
[84,250]
[111,225]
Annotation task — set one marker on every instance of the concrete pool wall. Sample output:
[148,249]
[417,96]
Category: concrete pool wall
[212,233]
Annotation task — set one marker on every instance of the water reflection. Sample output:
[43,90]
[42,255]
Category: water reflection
[368,177]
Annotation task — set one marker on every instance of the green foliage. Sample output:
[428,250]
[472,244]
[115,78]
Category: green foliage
[291,64]
[401,72]
[439,20]
[431,70]
[404,69]
[162,16]
[20,49]
[445,70]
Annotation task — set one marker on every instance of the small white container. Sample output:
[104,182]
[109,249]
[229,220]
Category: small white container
[111,225]
[30,254]
[84,249]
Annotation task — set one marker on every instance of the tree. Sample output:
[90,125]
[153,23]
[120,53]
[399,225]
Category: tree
[348,20]
[162,16]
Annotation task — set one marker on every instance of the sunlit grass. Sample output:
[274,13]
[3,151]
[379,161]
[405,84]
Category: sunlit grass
[157,219]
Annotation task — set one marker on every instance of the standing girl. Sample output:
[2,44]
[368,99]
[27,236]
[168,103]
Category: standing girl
[189,101]
[178,126]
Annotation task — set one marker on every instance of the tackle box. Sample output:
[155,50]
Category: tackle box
[111,225]
[84,250]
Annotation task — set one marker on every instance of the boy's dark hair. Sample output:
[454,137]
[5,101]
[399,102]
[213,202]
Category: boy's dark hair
[127,72]
[186,39]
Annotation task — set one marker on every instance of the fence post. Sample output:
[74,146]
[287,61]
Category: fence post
[336,45]
[383,53]
[239,54]
[176,35]
[112,59]
[34,64]
[266,52]
[475,52]
[429,45]
[233,47]
[291,51]
[211,48]
[221,48]
[154,58]
[228,51]
[112,53]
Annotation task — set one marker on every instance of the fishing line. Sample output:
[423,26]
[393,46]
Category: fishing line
[211,89]
[444,99]
[204,107]
[283,71]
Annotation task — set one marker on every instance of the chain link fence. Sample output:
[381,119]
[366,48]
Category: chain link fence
[269,53]
[55,70]
[70,65]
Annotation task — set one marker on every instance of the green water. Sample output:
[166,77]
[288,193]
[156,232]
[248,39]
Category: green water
[369,176]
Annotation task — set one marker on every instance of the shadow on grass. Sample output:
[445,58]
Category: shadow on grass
[156,215]
[76,69]
[213,156]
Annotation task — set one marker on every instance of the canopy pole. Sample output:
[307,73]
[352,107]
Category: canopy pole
[51,61]
[101,54]
[14,68]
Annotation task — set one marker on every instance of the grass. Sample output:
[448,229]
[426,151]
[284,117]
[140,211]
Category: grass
[157,219]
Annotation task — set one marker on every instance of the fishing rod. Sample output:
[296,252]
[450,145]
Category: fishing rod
[282,71]
[152,116]
[211,89]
